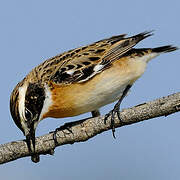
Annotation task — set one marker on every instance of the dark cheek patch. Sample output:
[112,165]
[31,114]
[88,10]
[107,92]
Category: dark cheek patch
[34,100]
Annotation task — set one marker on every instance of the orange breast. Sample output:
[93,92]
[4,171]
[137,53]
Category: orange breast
[104,88]
[66,99]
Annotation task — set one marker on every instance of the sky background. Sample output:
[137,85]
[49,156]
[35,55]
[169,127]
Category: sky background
[32,31]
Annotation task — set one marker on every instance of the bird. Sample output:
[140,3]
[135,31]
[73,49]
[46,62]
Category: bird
[81,80]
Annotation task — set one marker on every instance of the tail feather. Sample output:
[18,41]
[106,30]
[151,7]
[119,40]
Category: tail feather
[142,35]
[164,49]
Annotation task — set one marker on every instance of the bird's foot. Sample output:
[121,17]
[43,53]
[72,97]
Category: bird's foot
[112,114]
[66,126]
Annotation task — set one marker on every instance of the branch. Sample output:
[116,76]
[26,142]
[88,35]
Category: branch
[83,130]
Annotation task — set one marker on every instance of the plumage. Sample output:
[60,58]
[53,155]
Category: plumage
[78,65]
[80,80]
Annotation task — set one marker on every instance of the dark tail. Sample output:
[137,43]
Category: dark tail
[164,49]
[142,35]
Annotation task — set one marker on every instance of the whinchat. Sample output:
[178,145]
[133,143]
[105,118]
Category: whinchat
[80,80]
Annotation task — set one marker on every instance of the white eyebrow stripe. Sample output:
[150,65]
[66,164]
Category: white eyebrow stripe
[22,94]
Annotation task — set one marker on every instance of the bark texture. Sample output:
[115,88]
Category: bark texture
[85,129]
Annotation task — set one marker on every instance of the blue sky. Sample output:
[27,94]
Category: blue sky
[32,31]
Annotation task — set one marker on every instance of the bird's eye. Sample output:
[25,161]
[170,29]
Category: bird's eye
[28,114]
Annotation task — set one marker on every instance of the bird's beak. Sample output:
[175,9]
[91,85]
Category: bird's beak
[30,139]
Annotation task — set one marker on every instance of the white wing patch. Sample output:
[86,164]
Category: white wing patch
[98,67]
[70,72]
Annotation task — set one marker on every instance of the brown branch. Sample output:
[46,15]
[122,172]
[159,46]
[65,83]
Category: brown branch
[85,129]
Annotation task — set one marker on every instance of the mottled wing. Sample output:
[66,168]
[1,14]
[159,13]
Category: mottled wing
[93,59]
[122,47]
[79,65]
[55,68]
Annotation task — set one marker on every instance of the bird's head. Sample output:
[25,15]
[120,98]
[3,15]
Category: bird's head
[26,104]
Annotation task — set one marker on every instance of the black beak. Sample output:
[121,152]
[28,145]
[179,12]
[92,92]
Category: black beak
[30,139]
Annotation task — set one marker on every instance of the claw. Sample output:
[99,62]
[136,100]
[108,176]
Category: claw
[112,124]
[55,137]
[112,114]
[106,117]
[116,111]
[65,126]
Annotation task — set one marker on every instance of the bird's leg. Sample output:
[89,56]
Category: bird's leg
[95,113]
[116,110]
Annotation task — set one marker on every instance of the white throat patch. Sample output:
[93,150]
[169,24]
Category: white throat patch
[47,102]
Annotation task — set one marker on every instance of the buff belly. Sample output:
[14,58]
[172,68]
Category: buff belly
[104,88]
